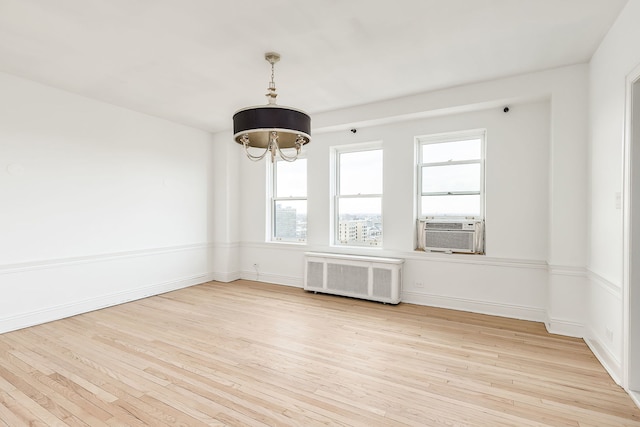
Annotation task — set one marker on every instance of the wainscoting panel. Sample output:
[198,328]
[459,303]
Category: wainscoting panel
[604,328]
[567,300]
[48,290]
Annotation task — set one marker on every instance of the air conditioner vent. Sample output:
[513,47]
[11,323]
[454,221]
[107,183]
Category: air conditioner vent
[451,236]
[443,226]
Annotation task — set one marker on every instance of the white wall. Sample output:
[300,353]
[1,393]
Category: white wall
[103,205]
[536,174]
[517,153]
[98,204]
[617,56]
[224,225]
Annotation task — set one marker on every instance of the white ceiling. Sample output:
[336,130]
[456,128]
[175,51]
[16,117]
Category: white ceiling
[197,61]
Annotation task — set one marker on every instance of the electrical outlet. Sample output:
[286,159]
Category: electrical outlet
[609,334]
[419,285]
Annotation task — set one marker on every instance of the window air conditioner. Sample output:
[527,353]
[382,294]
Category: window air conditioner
[452,236]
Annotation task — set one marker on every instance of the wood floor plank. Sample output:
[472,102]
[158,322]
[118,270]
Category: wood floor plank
[253,354]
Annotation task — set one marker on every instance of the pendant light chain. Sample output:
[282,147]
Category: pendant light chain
[273,73]
[272,95]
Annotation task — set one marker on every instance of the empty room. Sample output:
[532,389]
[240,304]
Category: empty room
[306,213]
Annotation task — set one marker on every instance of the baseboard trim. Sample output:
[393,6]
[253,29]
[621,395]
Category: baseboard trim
[494,309]
[565,327]
[482,307]
[610,363]
[635,396]
[276,279]
[225,277]
[50,314]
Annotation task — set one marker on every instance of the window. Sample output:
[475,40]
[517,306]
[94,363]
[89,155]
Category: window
[289,201]
[451,175]
[358,196]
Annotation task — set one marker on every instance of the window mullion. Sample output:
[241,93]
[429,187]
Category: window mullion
[356,196]
[289,198]
[452,193]
[452,163]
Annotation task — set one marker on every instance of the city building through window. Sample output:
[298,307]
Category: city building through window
[358,195]
[289,201]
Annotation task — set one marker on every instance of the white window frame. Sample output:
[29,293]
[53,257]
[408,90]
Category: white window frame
[444,138]
[272,201]
[335,190]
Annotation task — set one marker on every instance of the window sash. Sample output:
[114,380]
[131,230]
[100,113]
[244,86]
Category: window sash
[468,153]
[339,196]
[276,174]
[275,199]
[468,176]
[339,153]
[452,192]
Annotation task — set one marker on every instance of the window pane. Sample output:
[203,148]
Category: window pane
[361,172]
[438,179]
[451,151]
[360,221]
[290,220]
[291,178]
[451,205]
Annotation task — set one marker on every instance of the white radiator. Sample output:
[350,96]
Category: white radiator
[372,278]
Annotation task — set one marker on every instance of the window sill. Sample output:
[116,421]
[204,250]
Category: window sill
[448,252]
[286,242]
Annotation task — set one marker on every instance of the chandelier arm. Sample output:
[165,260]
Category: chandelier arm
[253,157]
[289,158]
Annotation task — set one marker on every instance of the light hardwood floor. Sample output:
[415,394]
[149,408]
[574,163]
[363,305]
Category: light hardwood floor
[251,354]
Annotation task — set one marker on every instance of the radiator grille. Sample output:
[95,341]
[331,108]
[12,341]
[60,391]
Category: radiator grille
[315,274]
[373,278]
[381,280]
[348,278]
